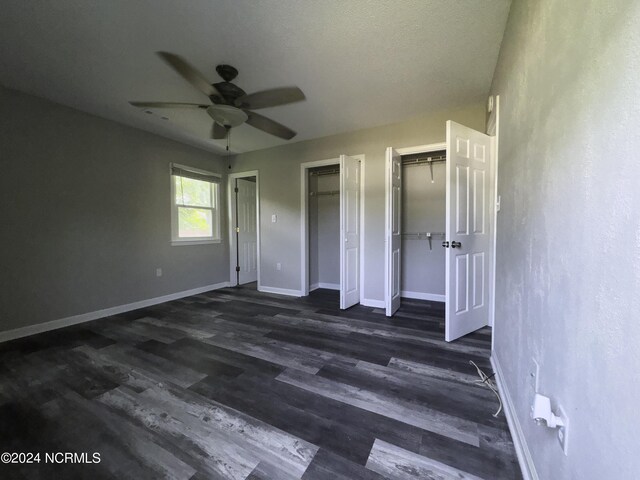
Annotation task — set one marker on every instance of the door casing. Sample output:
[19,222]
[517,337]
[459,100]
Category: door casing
[434,147]
[494,131]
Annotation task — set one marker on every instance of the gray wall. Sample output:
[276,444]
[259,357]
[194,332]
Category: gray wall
[280,190]
[85,209]
[568,252]
[423,210]
[324,231]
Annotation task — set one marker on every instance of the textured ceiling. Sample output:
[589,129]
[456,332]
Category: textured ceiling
[361,63]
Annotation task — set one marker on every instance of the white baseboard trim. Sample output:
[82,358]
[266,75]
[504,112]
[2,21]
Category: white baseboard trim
[368,302]
[434,297]
[328,286]
[280,291]
[87,317]
[525,460]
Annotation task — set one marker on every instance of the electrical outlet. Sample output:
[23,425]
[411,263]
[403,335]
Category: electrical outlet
[274,218]
[534,375]
[563,432]
[158,272]
[278,266]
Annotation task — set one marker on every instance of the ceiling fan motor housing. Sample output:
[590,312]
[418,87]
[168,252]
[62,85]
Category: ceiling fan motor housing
[229,91]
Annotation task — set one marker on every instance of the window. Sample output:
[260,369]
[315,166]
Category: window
[195,206]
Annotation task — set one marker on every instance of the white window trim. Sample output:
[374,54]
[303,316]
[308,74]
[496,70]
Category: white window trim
[181,242]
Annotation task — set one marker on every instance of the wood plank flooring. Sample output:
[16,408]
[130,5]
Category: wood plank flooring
[237,384]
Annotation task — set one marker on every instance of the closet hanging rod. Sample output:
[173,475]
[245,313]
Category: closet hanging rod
[328,192]
[425,161]
[423,234]
[326,172]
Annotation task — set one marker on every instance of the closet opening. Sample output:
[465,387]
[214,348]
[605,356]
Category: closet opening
[331,225]
[324,227]
[323,216]
[423,227]
[440,217]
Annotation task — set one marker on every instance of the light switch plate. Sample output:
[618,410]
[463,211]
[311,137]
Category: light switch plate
[274,218]
[563,432]
[534,375]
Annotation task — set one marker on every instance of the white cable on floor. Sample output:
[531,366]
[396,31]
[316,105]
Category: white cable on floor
[487,381]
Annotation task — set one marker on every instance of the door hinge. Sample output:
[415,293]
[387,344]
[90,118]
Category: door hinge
[236,190]
[237,269]
[237,229]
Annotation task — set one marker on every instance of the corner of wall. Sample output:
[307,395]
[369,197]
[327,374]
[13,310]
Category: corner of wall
[525,459]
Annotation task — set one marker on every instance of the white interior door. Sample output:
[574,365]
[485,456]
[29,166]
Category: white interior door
[247,231]
[393,238]
[469,207]
[349,231]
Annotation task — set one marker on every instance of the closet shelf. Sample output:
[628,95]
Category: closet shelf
[323,173]
[329,192]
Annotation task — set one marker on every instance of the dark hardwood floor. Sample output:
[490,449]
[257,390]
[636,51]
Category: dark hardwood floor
[237,384]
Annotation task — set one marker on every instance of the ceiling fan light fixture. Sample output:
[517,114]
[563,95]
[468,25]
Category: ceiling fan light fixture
[226,115]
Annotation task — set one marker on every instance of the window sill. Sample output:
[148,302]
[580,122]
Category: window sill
[182,243]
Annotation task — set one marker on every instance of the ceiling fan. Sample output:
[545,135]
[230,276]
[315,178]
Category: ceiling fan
[230,105]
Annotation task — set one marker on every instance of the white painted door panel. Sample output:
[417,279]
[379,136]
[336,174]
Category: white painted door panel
[247,234]
[469,165]
[349,231]
[393,239]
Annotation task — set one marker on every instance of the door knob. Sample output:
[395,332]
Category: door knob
[445,244]
[456,245]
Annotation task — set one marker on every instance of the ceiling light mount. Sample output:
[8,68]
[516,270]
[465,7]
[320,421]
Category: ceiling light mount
[227,72]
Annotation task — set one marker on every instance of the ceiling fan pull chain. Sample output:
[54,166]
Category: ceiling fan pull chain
[228,141]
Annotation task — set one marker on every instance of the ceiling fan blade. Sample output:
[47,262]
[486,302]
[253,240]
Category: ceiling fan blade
[218,131]
[167,105]
[189,73]
[270,126]
[270,98]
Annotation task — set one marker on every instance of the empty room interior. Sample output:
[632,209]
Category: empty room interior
[338,239]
